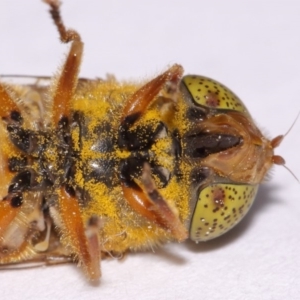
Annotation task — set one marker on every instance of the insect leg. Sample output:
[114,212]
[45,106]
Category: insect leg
[8,212]
[17,230]
[66,83]
[23,253]
[27,253]
[138,103]
[10,113]
[83,241]
[146,199]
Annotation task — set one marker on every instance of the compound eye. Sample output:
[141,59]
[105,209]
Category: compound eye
[219,208]
[212,94]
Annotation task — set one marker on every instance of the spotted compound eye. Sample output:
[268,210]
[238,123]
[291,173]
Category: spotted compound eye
[212,94]
[219,208]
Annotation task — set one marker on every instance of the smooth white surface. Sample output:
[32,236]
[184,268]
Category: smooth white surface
[251,46]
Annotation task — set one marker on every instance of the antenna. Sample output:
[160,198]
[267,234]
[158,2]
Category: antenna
[278,160]
[291,173]
[278,139]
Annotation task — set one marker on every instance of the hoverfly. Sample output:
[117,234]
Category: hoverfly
[91,167]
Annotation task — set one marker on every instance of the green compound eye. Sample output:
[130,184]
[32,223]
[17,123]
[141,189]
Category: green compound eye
[219,208]
[212,94]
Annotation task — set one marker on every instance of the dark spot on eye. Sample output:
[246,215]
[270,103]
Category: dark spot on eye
[212,99]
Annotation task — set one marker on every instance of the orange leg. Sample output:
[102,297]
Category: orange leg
[144,197]
[84,242]
[27,254]
[10,112]
[138,103]
[8,211]
[67,81]
[23,253]
[149,202]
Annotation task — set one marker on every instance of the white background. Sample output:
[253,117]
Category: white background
[251,46]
